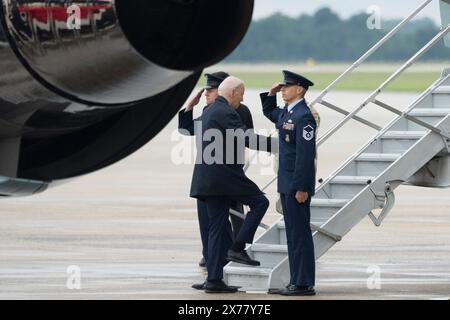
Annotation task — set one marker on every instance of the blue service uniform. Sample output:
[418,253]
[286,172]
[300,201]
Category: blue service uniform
[297,136]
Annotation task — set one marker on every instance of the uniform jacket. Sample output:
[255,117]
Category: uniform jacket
[297,135]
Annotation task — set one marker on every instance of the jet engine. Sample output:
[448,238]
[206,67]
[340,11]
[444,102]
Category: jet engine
[84,84]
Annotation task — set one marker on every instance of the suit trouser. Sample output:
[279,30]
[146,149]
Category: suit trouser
[218,211]
[203,220]
[300,243]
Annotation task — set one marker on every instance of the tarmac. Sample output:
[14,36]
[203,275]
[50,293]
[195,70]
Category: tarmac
[130,231]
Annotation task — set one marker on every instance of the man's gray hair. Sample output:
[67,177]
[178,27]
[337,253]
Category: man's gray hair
[229,85]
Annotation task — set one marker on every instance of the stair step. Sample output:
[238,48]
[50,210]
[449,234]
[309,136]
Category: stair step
[428,112]
[359,180]
[282,225]
[329,203]
[263,247]
[247,277]
[347,186]
[379,157]
[442,90]
[321,217]
[321,211]
[404,135]
[248,271]
[269,254]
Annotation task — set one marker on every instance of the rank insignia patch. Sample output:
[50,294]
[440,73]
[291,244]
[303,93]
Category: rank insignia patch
[308,133]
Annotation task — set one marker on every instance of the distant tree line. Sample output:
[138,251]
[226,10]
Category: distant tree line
[324,36]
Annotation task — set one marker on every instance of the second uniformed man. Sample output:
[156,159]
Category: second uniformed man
[186,124]
[221,181]
[296,176]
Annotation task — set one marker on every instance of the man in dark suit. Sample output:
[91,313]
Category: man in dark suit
[186,124]
[220,181]
[296,176]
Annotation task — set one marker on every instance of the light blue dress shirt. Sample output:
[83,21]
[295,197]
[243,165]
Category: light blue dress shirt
[292,105]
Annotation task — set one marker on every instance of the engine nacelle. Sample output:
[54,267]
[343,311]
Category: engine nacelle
[84,84]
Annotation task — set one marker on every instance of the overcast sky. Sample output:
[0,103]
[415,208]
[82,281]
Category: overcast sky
[345,8]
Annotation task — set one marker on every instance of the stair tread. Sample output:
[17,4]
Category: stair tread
[266,247]
[351,180]
[329,203]
[379,157]
[248,270]
[403,135]
[442,90]
[282,225]
[321,203]
[437,112]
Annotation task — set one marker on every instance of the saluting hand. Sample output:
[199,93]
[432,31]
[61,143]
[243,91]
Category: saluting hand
[275,89]
[195,100]
[301,197]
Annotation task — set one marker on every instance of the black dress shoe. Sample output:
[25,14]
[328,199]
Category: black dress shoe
[277,291]
[298,291]
[202,263]
[199,286]
[242,257]
[219,287]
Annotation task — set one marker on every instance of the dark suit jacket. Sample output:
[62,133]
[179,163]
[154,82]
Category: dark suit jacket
[221,177]
[186,119]
[186,126]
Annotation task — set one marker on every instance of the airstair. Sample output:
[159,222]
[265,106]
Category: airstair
[414,148]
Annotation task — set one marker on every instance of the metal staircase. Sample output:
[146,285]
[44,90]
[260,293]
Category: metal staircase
[413,148]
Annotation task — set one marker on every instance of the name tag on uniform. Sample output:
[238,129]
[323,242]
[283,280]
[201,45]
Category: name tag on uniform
[289,126]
